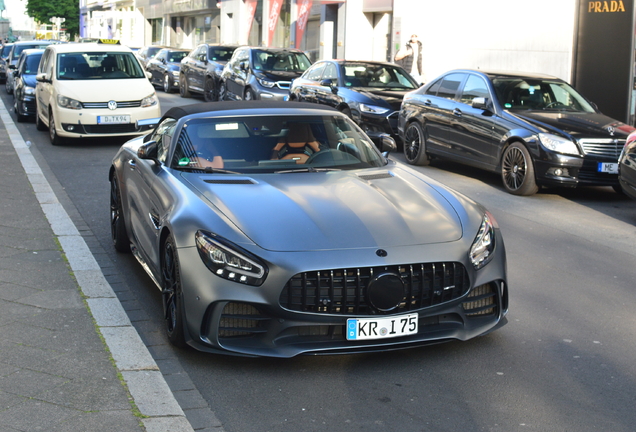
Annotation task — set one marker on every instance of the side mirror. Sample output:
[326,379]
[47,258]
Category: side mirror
[148,75]
[148,151]
[41,77]
[480,103]
[11,66]
[387,144]
[243,65]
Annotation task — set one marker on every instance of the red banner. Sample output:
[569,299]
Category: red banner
[304,6]
[274,13]
[251,10]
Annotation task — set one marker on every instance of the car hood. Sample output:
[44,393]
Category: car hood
[333,210]
[173,66]
[577,124]
[278,76]
[392,98]
[102,90]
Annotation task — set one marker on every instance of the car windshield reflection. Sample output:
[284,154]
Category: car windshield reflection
[280,61]
[537,94]
[377,77]
[259,144]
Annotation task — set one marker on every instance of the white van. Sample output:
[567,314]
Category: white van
[93,90]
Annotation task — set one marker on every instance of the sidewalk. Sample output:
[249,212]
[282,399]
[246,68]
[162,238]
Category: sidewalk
[69,358]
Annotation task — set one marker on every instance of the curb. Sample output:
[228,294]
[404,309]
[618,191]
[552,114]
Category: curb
[145,382]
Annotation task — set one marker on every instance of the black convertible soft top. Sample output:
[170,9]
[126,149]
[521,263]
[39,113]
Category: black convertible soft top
[185,110]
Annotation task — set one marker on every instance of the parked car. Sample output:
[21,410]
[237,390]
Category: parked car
[164,68]
[315,269]
[201,70]
[535,130]
[93,90]
[14,54]
[4,53]
[24,84]
[148,52]
[369,92]
[261,73]
[627,167]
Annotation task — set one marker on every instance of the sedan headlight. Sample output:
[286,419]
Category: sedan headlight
[558,144]
[481,251]
[29,91]
[373,109]
[69,103]
[229,261]
[175,73]
[149,101]
[266,83]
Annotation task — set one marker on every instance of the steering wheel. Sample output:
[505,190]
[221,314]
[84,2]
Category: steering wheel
[331,155]
[554,104]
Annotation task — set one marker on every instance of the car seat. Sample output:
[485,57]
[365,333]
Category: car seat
[299,144]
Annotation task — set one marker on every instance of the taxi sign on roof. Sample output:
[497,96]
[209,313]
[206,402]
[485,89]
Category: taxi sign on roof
[108,41]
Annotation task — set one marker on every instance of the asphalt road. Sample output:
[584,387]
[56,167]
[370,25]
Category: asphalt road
[564,362]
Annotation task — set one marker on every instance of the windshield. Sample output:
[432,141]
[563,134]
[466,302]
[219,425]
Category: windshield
[220,54]
[539,94]
[5,51]
[22,47]
[98,65]
[176,56]
[280,61]
[266,144]
[377,76]
[30,65]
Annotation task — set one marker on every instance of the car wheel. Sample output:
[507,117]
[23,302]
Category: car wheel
[172,294]
[38,123]
[55,138]
[415,145]
[249,94]
[184,91]
[517,171]
[222,92]
[167,83]
[21,118]
[118,233]
[209,93]
[7,87]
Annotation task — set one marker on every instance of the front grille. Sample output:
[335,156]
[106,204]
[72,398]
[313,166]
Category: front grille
[240,320]
[104,105]
[344,291]
[483,301]
[110,129]
[284,85]
[604,147]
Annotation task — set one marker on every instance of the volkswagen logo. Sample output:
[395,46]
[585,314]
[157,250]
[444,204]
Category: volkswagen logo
[611,130]
[112,105]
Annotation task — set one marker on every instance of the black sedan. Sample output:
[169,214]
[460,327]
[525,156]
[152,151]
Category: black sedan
[201,70]
[165,68]
[277,229]
[24,83]
[536,130]
[627,167]
[369,92]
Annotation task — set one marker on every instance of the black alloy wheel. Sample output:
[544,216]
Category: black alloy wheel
[118,233]
[8,87]
[38,122]
[167,84]
[415,145]
[209,92]
[517,171]
[172,294]
[222,92]
[21,118]
[55,138]
[184,90]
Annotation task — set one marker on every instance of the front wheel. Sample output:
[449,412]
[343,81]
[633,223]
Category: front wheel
[38,123]
[172,294]
[55,138]
[167,84]
[249,94]
[222,92]
[415,145]
[21,118]
[209,92]
[118,233]
[184,90]
[517,171]
[8,87]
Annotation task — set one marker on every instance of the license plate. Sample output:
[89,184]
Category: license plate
[608,167]
[381,328]
[113,119]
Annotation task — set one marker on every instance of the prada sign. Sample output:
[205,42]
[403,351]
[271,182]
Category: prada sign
[606,6]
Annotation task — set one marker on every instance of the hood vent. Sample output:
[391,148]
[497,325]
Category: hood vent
[229,181]
[376,176]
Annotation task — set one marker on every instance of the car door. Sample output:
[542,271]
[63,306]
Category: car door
[471,129]
[237,73]
[44,86]
[198,68]
[154,67]
[307,85]
[328,94]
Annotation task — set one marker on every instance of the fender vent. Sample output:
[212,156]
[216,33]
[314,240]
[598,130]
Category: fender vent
[229,181]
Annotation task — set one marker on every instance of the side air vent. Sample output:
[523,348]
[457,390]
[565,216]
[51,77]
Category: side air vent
[229,181]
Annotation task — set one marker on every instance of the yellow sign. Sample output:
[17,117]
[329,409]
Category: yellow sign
[109,41]
[606,6]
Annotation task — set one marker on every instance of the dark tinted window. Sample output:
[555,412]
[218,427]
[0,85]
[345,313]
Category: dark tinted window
[30,65]
[450,85]
[475,87]
[432,90]
[220,54]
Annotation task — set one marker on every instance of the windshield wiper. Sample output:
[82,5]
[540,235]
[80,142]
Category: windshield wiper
[207,170]
[306,169]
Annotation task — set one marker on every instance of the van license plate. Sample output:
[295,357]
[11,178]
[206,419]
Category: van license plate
[113,119]
[381,328]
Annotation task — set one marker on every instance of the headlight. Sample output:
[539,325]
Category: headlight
[175,73]
[29,91]
[373,109]
[266,83]
[228,261]
[149,100]
[484,244]
[69,103]
[558,144]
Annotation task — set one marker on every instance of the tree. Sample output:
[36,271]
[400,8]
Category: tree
[43,10]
